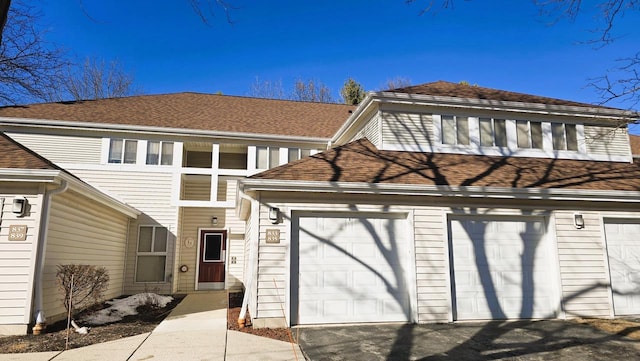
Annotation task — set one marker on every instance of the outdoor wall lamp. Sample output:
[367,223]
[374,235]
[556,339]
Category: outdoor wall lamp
[274,215]
[578,220]
[214,220]
[19,206]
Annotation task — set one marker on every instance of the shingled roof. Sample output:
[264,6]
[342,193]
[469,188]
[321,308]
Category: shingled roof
[197,111]
[16,156]
[361,161]
[460,90]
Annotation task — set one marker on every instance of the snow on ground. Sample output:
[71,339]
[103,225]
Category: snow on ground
[119,308]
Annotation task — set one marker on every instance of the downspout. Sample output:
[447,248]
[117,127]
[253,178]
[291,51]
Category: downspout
[40,320]
[249,285]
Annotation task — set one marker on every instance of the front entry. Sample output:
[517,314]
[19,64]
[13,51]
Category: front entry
[211,263]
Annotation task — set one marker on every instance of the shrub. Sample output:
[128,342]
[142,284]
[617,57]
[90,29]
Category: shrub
[89,284]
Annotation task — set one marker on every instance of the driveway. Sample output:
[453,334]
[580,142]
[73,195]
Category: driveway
[517,340]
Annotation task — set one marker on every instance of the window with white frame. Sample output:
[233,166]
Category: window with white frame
[455,129]
[493,132]
[565,136]
[529,134]
[159,153]
[267,157]
[298,153]
[123,151]
[151,254]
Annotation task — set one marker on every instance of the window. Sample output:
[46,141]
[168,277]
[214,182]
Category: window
[123,151]
[267,157]
[298,153]
[151,254]
[529,134]
[455,130]
[493,132]
[565,136]
[159,153]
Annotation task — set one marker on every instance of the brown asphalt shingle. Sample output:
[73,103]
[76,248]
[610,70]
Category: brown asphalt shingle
[15,155]
[198,112]
[444,88]
[634,140]
[361,161]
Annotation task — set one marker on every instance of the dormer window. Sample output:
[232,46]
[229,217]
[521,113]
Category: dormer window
[529,134]
[493,132]
[455,130]
[565,136]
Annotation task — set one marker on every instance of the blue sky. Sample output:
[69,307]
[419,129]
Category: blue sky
[500,44]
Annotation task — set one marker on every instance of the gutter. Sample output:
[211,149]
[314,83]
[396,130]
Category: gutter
[554,194]
[39,316]
[44,123]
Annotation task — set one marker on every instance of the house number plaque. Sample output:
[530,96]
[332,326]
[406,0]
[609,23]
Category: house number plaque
[273,236]
[17,233]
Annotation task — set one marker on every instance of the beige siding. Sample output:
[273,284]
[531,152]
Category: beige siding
[196,188]
[431,265]
[371,131]
[17,259]
[150,193]
[82,231]
[410,130]
[272,268]
[194,218]
[583,273]
[62,148]
[606,140]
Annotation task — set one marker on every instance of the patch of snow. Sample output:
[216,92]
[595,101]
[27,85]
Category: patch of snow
[119,308]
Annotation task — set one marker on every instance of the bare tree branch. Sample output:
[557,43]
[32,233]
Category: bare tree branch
[207,8]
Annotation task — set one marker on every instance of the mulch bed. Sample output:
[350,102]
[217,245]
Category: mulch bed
[55,335]
[235,303]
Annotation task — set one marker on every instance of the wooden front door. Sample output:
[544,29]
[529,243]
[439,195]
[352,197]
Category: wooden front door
[213,246]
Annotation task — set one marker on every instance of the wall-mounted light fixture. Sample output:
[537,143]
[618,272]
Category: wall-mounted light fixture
[578,220]
[19,206]
[214,220]
[274,215]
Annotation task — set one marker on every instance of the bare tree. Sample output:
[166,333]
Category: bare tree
[209,8]
[267,89]
[4,12]
[29,68]
[97,79]
[395,83]
[311,91]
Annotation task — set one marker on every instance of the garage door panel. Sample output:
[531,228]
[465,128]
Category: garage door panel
[623,250]
[357,278]
[513,257]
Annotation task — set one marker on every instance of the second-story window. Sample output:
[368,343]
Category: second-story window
[493,132]
[455,130]
[267,157]
[565,136]
[529,134]
[123,151]
[159,153]
[298,153]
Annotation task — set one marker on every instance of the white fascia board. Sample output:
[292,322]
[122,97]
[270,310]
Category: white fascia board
[99,196]
[30,175]
[470,103]
[555,194]
[364,104]
[91,126]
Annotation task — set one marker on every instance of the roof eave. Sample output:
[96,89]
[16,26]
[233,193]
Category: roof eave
[447,101]
[552,194]
[91,126]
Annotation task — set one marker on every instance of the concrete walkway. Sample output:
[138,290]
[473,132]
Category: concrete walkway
[195,330]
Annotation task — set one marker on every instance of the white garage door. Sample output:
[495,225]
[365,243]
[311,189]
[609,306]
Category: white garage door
[502,269]
[623,248]
[351,269]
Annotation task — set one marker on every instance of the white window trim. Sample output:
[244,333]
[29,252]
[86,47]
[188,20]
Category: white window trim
[152,253]
[160,154]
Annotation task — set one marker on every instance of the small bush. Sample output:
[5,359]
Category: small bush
[89,284]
